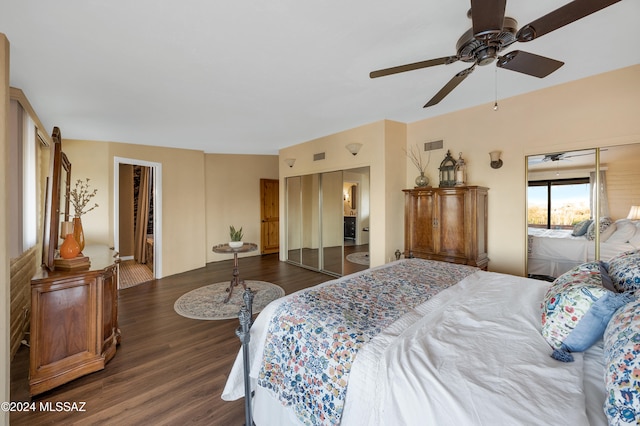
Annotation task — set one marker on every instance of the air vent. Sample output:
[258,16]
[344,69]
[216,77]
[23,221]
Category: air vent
[430,146]
[319,156]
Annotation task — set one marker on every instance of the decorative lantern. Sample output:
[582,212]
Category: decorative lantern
[461,171]
[447,171]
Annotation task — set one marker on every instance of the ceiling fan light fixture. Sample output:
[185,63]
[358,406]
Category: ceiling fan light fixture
[492,32]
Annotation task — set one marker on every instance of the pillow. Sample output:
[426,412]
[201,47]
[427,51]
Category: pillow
[635,240]
[581,228]
[576,310]
[624,270]
[622,366]
[625,230]
[605,223]
[607,282]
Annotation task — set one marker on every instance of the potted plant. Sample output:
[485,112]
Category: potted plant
[236,237]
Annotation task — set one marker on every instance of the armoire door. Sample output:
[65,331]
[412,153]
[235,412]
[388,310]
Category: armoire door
[451,228]
[419,211]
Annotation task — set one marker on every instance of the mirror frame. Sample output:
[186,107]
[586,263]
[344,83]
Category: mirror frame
[57,164]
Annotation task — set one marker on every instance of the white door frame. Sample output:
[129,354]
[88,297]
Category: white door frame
[157,208]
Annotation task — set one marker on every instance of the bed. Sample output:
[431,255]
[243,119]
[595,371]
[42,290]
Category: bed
[552,252]
[436,343]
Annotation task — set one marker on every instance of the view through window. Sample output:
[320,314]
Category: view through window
[558,204]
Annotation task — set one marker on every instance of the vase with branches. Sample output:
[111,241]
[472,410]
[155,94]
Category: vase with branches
[80,197]
[416,158]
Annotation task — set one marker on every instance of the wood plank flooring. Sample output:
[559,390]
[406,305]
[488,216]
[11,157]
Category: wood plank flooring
[169,370]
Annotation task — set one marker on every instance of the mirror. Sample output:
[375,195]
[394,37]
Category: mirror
[322,228]
[294,217]
[58,188]
[568,194]
[310,223]
[332,222]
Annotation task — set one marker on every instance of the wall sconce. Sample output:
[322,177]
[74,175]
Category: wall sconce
[354,148]
[634,213]
[496,162]
[290,161]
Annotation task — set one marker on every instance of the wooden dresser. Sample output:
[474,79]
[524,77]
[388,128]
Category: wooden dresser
[448,224]
[74,321]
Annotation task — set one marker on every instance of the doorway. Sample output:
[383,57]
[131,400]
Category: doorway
[138,219]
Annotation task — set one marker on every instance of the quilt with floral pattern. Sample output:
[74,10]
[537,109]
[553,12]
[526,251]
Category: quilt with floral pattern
[314,337]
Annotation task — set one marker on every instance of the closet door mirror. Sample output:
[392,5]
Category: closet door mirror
[332,223]
[294,219]
[320,208]
[568,195]
[310,225]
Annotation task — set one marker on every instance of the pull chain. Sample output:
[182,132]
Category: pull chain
[495,105]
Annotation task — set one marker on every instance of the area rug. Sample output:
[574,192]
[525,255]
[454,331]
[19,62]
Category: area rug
[361,258]
[207,303]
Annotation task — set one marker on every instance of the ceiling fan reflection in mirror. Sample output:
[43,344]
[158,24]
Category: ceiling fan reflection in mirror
[492,32]
[559,156]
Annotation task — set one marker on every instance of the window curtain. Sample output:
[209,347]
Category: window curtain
[602,191]
[142,216]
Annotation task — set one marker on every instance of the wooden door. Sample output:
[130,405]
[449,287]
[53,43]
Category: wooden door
[269,216]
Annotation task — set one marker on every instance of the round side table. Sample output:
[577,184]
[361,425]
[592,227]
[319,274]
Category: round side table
[226,249]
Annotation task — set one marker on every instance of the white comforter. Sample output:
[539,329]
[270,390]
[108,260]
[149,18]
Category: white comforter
[471,355]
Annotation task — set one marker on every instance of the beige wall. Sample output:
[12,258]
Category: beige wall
[183,197]
[232,193]
[596,111]
[4,254]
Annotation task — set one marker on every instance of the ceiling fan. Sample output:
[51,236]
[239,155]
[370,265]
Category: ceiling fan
[492,32]
[559,156]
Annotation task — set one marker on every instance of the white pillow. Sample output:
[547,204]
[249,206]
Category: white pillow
[635,240]
[625,230]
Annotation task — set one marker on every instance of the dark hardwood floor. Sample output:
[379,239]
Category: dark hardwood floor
[169,369]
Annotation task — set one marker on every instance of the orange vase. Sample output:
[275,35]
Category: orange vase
[69,248]
[78,232]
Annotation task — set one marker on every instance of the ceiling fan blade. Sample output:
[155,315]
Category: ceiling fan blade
[560,17]
[452,84]
[414,66]
[487,17]
[529,63]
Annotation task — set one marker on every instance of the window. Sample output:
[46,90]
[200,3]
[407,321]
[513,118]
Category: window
[22,181]
[558,204]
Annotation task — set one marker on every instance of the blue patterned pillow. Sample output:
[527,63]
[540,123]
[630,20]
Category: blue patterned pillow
[622,363]
[577,309]
[624,270]
[581,228]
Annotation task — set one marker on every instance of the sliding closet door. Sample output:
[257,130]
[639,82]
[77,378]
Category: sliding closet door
[294,219]
[310,229]
[332,223]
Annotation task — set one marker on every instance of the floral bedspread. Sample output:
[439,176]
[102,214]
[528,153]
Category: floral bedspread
[313,337]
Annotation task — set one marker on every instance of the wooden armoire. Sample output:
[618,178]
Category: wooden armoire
[448,224]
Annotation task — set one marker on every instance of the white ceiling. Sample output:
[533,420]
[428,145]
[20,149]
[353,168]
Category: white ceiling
[254,76]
